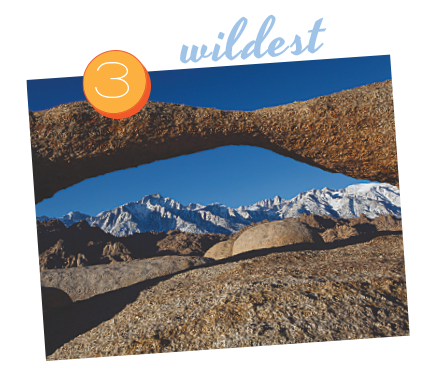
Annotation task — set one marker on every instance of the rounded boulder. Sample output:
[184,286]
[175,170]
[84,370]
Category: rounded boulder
[275,234]
[220,250]
[53,298]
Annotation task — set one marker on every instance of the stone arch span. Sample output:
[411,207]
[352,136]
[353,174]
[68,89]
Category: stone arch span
[350,132]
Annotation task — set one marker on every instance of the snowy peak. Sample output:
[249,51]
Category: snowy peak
[149,198]
[157,199]
[269,203]
[192,206]
[154,212]
[277,200]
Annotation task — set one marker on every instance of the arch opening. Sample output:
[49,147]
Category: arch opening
[219,191]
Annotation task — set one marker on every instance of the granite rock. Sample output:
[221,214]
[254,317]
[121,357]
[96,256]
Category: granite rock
[275,234]
[53,298]
[220,250]
[350,132]
[85,282]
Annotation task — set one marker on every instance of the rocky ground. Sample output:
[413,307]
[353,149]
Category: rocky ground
[88,281]
[349,292]
[350,288]
[82,245]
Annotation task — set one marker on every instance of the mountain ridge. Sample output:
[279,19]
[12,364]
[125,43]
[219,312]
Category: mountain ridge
[158,213]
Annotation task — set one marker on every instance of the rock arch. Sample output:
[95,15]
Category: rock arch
[350,132]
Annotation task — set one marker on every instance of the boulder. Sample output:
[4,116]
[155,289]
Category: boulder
[81,283]
[81,260]
[339,232]
[220,250]
[275,234]
[53,298]
[115,252]
[387,222]
[329,235]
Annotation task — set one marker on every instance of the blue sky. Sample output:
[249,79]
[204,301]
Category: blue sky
[234,175]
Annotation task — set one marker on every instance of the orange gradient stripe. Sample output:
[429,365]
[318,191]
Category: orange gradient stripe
[76,65]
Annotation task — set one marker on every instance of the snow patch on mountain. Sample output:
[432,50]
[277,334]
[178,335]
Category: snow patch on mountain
[155,212]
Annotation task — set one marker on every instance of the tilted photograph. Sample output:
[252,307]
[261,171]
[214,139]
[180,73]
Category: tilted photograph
[241,206]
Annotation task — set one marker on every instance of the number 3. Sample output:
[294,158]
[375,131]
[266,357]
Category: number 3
[120,79]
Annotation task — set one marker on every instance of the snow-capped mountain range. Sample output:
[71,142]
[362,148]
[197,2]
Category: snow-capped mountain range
[154,212]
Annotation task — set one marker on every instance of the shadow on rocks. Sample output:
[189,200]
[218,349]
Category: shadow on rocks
[68,322]
[307,246]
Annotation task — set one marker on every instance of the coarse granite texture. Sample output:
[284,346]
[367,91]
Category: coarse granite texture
[350,132]
[347,292]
